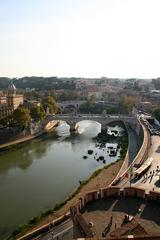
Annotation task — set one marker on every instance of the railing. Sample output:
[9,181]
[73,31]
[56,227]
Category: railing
[46,227]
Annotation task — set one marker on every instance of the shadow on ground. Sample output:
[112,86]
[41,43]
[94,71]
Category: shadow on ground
[126,205]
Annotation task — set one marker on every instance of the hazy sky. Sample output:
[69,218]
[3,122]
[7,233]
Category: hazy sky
[83,38]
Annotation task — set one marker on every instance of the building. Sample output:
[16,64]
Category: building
[10,101]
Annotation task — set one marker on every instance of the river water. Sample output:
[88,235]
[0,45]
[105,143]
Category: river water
[42,172]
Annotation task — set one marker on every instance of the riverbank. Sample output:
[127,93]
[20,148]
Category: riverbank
[11,144]
[27,138]
[46,128]
[99,179]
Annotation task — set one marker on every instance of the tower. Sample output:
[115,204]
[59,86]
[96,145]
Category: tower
[13,99]
[11,90]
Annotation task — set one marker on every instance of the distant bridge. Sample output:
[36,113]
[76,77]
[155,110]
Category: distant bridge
[72,104]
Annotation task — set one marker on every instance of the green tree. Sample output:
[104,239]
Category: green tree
[111,110]
[127,102]
[37,113]
[156,113]
[64,96]
[50,103]
[6,121]
[92,99]
[22,116]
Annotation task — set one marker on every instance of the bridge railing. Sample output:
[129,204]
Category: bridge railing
[59,116]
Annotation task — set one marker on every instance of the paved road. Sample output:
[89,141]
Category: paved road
[62,232]
[152,181]
[134,144]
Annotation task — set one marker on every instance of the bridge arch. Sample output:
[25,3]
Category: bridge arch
[103,120]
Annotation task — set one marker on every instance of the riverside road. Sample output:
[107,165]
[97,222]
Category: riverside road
[65,230]
[61,232]
[150,181]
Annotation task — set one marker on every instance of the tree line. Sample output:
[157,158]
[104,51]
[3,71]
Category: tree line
[22,116]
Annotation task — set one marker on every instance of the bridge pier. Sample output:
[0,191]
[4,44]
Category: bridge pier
[72,127]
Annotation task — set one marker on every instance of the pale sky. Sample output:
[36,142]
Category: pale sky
[81,38]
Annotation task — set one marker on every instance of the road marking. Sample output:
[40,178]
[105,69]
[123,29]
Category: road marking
[65,230]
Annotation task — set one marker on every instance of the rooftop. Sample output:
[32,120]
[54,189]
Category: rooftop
[144,216]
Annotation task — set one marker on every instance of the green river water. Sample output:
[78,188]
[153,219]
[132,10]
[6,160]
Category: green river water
[42,172]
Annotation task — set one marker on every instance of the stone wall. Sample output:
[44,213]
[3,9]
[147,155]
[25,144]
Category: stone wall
[155,196]
[133,191]
[90,196]
[110,191]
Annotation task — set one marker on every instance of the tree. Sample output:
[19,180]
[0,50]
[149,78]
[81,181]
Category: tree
[128,103]
[111,110]
[64,96]
[156,83]
[95,108]
[22,116]
[92,99]
[37,113]
[156,113]
[50,103]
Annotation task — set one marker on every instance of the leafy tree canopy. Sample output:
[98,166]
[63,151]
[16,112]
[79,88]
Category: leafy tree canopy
[127,102]
[37,113]
[22,116]
[156,113]
[50,103]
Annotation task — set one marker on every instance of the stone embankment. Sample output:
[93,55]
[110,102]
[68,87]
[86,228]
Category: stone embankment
[97,187]
[103,179]
[18,141]
[46,128]
[144,150]
[142,155]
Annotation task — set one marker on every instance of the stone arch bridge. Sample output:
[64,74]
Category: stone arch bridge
[74,104]
[72,120]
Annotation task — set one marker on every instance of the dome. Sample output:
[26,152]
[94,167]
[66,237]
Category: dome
[11,87]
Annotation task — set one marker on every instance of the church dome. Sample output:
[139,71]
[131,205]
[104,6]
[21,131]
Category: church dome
[11,87]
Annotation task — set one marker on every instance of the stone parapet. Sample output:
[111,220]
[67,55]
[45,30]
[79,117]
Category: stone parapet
[90,196]
[133,191]
[110,191]
[153,195]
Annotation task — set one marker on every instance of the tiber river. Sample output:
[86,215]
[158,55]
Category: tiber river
[37,175]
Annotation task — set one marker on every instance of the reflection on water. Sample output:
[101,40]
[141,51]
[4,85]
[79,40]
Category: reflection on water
[41,173]
[63,130]
[88,128]
[116,130]
[23,156]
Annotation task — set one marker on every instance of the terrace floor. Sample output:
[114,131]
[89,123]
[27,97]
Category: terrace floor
[100,211]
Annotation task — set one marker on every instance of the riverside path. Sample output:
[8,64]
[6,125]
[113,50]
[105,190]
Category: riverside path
[150,180]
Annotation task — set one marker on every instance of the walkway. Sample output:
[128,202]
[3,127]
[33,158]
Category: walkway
[21,140]
[95,117]
[133,148]
[152,181]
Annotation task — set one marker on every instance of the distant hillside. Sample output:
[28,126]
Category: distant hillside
[39,83]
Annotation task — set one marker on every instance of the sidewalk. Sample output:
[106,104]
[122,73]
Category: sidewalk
[21,140]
